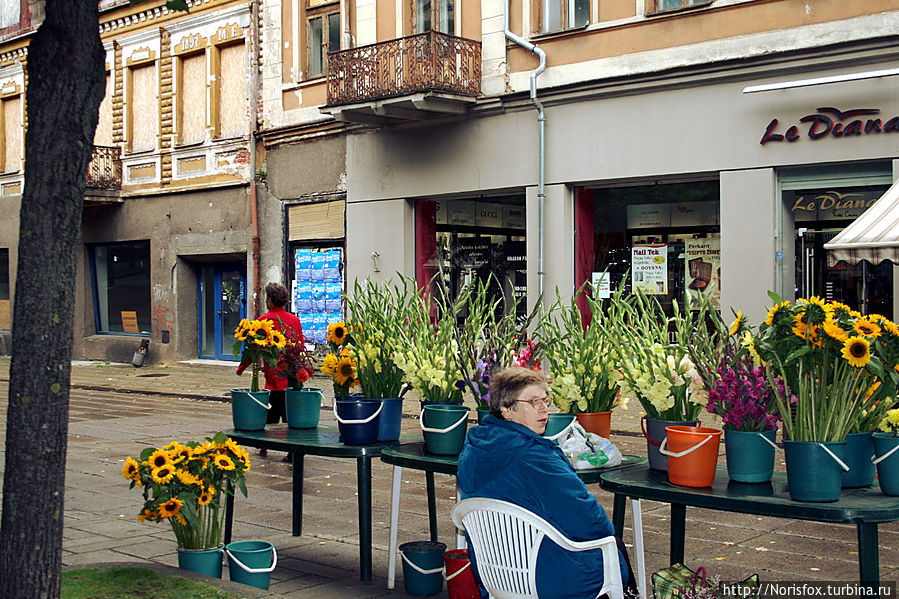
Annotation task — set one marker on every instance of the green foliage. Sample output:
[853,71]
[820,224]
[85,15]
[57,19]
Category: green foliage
[134,583]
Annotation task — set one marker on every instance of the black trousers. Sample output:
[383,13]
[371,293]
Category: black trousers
[278,411]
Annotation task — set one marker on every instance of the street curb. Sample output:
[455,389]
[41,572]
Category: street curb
[234,588]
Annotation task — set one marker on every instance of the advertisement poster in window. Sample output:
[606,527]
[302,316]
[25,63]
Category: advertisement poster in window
[702,259]
[649,269]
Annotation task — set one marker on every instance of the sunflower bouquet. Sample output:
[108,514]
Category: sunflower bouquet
[837,362]
[185,485]
[339,363]
[257,340]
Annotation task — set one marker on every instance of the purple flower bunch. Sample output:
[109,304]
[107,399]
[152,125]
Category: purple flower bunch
[480,378]
[744,399]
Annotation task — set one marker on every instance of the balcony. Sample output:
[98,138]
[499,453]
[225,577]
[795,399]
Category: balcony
[104,176]
[413,78]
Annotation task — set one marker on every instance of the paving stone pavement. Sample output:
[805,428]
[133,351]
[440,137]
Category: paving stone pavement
[116,410]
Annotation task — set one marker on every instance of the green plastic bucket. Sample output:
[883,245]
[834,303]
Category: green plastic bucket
[444,427]
[482,413]
[557,425]
[859,453]
[886,448]
[423,567]
[251,562]
[750,455]
[815,470]
[249,410]
[207,562]
[357,420]
[303,407]
[391,419]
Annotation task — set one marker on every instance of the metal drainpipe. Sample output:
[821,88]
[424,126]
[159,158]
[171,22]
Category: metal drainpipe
[254,209]
[541,155]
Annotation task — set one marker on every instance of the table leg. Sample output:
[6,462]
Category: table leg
[229,512]
[460,536]
[298,460]
[363,480]
[432,505]
[619,507]
[678,526]
[868,553]
[639,557]
[394,524]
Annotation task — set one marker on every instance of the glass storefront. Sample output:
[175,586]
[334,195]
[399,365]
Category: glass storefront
[819,215]
[460,242]
[663,239]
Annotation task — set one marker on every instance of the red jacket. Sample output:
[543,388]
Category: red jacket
[273,382]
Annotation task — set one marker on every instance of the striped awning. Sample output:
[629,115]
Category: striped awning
[873,236]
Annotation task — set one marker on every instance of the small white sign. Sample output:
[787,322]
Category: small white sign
[602,285]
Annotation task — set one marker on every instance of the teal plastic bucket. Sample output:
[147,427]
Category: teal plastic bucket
[390,419]
[859,452]
[815,470]
[444,427]
[303,407]
[423,567]
[556,424]
[481,414]
[357,420]
[750,455]
[207,562]
[251,562]
[886,448]
[249,410]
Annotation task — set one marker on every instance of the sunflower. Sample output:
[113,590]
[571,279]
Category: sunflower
[179,453]
[857,351]
[186,477]
[145,514]
[206,496]
[223,462]
[230,444]
[815,310]
[736,325]
[890,327]
[278,339]
[329,364]
[158,458]
[772,313]
[800,326]
[170,507]
[865,327]
[337,333]
[131,470]
[835,331]
[163,474]
[180,519]
[345,371]
[874,387]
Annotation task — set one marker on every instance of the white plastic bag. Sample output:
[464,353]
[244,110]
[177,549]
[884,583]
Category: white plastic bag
[588,450]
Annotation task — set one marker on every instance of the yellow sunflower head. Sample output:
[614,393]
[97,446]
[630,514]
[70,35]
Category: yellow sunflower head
[337,333]
[131,469]
[345,371]
[223,462]
[815,310]
[186,477]
[834,331]
[163,474]
[857,351]
[800,326]
[205,497]
[890,327]
[738,321]
[773,312]
[158,458]
[170,507]
[278,339]
[329,364]
[866,328]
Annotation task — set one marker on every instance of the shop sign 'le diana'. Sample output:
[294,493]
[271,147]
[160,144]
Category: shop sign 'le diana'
[834,122]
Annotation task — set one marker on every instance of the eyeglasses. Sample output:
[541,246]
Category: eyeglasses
[537,402]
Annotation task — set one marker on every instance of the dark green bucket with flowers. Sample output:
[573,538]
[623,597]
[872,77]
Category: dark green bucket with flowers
[207,562]
[303,407]
[444,426]
[249,409]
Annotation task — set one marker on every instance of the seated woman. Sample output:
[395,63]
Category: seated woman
[507,458]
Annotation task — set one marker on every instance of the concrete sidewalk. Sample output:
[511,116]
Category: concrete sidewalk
[116,410]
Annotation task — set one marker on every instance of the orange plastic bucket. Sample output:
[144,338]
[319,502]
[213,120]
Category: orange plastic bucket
[692,455]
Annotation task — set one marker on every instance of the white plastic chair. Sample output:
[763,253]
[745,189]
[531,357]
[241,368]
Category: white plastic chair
[506,539]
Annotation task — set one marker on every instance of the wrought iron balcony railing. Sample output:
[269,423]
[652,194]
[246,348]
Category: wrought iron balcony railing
[105,169]
[431,61]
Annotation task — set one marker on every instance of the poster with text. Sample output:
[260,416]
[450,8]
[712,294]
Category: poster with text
[649,269]
[702,269]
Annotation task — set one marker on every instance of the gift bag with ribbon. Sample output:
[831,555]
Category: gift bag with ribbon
[680,582]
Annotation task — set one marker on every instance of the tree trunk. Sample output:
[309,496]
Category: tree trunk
[65,86]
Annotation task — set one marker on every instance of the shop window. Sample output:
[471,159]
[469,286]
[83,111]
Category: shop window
[121,277]
[663,239]
[675,4]
[191,99]
[232,96]
[12,133]
[143,109]
[461,242]
[559,15]
[323,36]
[435,15]
[5,313]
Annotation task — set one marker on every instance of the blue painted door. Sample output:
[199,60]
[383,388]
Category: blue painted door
[222,303]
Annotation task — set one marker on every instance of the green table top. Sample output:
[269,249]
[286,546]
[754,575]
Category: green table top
[323,440]
[415,456]
[763,499]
